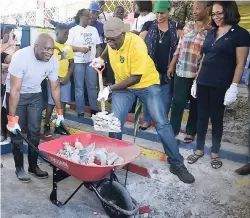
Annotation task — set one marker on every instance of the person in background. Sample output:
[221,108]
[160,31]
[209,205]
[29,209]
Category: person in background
[186,63]
[130,18]
[181,11]
[136,76]
[225,51]
[86,45]
[5,61]
[119,12]
[161,40]
[144,8]
[94,9]
[9,44]
[65,56]
[245,170]
[103,16]
[28,68]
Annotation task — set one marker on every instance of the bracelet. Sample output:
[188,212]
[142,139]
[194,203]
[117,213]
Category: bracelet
[235,84]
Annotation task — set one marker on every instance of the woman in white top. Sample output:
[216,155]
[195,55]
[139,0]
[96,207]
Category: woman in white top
[144,8]
[86,45]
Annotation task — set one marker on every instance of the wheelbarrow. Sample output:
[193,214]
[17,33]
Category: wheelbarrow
[102,180]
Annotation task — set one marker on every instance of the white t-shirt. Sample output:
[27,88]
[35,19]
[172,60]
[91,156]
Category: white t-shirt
[32,71]
[139,22]
[84,37]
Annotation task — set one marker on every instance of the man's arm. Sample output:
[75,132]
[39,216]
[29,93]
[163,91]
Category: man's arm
[4,46]
[132,80]
[15,84]
[70,71]
[98,50]
[56,93]
[55,23]
[80,49]
[105,54]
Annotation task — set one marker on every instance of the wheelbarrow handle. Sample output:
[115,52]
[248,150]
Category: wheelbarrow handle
[32,145]
[65,128]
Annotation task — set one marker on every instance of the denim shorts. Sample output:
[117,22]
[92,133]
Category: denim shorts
[65,93]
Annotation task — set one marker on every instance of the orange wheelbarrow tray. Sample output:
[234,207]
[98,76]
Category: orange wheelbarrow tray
[102,180]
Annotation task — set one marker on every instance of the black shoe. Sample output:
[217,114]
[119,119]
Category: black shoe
[245,170]
[22,175]
[36,171]
[93,112]
[46,130]
[182,174]
[80,114]
[60,130]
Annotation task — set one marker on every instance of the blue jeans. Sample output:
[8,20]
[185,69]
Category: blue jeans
[85,75]
[167,99]
[122,101]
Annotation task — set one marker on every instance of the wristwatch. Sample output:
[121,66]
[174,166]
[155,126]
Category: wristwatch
[235,84]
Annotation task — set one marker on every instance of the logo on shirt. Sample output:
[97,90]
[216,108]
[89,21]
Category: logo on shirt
[122,59]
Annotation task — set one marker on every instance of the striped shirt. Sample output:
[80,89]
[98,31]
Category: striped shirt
[189,50]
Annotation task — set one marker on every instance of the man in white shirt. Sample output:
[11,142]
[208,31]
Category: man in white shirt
[144,8]
[86,45]
[28,68]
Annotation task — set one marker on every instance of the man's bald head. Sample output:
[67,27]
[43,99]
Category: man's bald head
[44,47]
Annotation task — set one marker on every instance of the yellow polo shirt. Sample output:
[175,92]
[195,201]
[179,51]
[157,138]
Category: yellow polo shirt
[63,60]
[133,59]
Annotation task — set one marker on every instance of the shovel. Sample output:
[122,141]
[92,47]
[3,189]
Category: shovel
[103,121]
[101,86]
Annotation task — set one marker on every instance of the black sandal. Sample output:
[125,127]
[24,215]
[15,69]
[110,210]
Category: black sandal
[188,139]
[194,158]
[216,163]
[144,126]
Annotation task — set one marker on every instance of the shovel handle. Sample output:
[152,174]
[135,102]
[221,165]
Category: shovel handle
[101,85]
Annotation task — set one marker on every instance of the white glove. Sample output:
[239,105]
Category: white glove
[18,34]
[194,89]
[103,95]
[231,94]
[59,119]
[97,62]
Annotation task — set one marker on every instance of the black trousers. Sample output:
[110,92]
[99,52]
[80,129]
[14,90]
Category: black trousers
[210,105]
[29,110]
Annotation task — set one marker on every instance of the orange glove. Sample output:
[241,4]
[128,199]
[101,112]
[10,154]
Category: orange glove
[60,117]
[13,125]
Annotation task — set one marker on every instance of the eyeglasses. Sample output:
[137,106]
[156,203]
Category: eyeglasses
[111,40]
[217,14]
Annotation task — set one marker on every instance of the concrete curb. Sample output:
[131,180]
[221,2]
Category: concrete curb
[155,138]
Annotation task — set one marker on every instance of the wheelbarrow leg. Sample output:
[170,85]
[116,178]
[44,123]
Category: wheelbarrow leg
[58,175]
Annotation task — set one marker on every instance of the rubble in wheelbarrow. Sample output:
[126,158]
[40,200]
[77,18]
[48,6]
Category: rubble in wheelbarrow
[89,155]
[106,122]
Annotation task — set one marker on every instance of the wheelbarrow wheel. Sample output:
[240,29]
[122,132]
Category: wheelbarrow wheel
[119,195]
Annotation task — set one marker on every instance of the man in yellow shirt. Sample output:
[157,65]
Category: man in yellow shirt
[136,76]
[64,54]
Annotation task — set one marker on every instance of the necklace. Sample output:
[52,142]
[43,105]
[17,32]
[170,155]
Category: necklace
[161,34]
